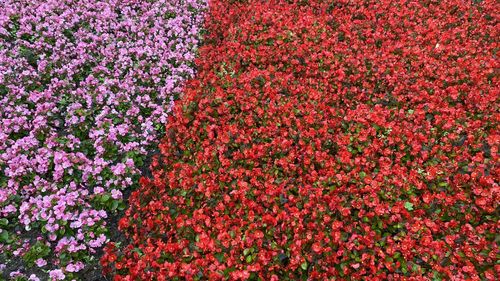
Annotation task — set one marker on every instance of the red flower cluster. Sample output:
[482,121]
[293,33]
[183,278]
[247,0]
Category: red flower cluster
[321,139]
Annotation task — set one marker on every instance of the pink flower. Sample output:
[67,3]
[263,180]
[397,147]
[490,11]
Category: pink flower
[98,190]
[116,194]
[129,163]
[15,274]
[118,169]
[56,274]
[41,262]
[70,267]
[33,277]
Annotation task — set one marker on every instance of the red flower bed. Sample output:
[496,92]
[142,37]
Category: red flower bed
[348,139]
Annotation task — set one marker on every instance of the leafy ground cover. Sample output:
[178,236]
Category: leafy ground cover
[327,139]
[85,89]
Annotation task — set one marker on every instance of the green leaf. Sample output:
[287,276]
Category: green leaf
[219,257]
[436,276]
[105,198]
[304,265]
[249,258]
[408,206]
[4,236]
[122,206]
[404,269]
[414,268]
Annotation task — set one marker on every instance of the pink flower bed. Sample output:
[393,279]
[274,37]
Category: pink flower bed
[85,90]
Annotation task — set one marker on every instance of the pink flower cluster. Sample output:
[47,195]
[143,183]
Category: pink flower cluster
[85,90]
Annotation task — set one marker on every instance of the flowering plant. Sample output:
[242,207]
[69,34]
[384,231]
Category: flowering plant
[326,140]
[85,89]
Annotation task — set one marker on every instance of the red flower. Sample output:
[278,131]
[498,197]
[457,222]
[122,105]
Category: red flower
[323,139]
